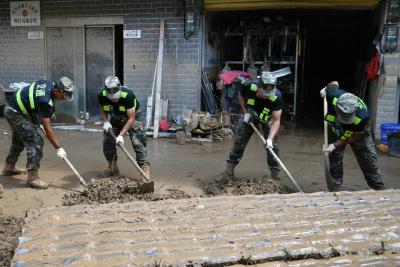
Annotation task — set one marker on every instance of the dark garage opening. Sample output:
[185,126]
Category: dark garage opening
[332,45]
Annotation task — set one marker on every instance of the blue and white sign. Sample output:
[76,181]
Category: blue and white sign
[25,13]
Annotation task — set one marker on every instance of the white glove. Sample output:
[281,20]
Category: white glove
[246,118]
[107,126]
[329,148]
[120,140]
[323,92]
[61,153]
[269,144]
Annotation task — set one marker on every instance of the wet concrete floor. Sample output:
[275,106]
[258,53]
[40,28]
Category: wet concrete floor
[181,167]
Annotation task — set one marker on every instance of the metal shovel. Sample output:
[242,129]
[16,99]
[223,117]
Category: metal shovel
[81,180]
[276,158]
[147,186]
[75,171]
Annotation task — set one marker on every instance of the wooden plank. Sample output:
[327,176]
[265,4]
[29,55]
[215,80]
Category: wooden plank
[158,83]
[150,102]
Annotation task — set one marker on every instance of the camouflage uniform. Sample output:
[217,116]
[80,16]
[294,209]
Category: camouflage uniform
[117,112]
[261,110]
[138,139]
[243,132]
[363,146]
[24,135]
[26,109]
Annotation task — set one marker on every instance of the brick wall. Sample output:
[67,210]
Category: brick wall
[24,59]
[388,96]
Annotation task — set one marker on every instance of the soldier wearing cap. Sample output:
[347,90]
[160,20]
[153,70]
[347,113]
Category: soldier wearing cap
[28,108]
[349,120]
[120,104]
[262,104]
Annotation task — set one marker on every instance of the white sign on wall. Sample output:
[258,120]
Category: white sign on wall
[132,34]
[25,13]
[36,35]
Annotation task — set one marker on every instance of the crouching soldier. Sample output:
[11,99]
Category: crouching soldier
[28,108]
[261,101]
[121,104]
[349,120]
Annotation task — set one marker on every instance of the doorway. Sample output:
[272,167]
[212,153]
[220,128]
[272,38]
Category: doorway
[87,54]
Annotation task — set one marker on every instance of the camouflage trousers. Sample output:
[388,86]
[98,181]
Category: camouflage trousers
[24,135]
[243,132]
[364,150]
[138,140]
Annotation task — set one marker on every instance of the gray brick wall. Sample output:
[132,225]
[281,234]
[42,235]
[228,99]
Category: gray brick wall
[388,97]
[24,59]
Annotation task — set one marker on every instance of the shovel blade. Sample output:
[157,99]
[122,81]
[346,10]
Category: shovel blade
[146,187]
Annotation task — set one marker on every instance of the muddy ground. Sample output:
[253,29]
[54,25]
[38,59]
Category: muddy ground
[179,171]
[124,189]
[10,230]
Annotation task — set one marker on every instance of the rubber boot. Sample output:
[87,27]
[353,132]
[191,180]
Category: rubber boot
[146,169]
[228,175]
[112,169]
[275,175]
[10,169]
[35,182]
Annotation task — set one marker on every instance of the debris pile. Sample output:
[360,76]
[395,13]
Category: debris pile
[117,189]
[246,187]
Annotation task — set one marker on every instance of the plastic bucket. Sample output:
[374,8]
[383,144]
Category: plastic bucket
[394,144]
[387,128]
[180,137]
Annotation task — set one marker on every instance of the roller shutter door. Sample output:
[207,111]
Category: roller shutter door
[221,5]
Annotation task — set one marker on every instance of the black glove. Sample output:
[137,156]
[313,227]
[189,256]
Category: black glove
[254,115]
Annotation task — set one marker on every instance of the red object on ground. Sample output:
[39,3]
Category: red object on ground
[164,125]
[229,76]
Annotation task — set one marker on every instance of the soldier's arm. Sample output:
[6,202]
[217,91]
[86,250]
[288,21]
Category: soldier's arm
[103,115]
[341,143]
[131,119]
[276,123]
[242,103]
[50,133]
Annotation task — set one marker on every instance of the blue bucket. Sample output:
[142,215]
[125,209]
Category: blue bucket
[387,128]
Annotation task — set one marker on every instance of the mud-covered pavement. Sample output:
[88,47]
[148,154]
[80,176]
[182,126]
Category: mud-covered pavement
[10,230]
[179,171]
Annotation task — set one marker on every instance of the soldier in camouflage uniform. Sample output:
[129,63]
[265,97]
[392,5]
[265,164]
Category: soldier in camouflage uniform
[121,104]
[28,108]
[349,121]
[261,101]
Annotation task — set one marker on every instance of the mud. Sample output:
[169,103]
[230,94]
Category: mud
[10,230]
[117,189]
[246,187]
[123,189]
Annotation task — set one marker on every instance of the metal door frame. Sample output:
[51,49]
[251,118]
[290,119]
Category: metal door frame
[83,22]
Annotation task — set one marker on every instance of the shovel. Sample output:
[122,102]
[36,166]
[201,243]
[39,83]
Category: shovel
[276,158]
[75,171]
[147,186]
[328,177]
[81,180]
